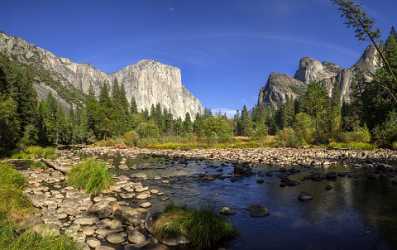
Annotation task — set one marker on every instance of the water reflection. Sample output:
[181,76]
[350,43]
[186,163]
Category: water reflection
[358,213]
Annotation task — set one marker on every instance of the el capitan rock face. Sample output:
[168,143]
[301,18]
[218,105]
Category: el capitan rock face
[148,81]
[281,86]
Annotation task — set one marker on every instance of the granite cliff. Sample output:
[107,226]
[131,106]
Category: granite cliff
[279,87]
[148,81]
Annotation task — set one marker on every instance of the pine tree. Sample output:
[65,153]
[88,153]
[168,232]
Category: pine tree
[104,114]
[187,124]
[378,97]
[335,113]
[315,103]
[9,124]
[246,123]
[133,106]
[93,109]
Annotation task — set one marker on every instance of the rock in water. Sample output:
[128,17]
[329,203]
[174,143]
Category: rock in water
[226,211]
[258,211]
[305,197]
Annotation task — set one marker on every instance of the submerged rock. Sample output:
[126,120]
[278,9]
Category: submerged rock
[305,197]
[226,211]
[258,211]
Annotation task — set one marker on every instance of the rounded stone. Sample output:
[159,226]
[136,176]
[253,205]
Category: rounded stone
[116,238]
[137,238]
[145,204]
[93,243]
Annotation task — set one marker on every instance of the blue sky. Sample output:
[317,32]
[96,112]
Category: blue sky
[225,48]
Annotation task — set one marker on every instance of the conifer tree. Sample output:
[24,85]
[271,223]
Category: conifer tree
[187,124]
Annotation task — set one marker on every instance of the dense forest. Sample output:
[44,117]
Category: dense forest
[314,118]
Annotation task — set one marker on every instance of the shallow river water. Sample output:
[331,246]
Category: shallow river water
[358,213]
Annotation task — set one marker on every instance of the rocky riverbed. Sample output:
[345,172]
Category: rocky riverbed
[114,219]
[280,157]
[246,185]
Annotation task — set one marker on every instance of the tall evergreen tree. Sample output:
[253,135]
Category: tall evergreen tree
[246,122]
[187,124]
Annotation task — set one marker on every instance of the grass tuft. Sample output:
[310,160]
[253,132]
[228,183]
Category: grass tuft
[11,240]
[91,175]
[204,228]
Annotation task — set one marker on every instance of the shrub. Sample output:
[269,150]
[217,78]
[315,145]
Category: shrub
[386,134]
[36,152]
[204,228]
[216,129]
[352,145]
[91,175]
[288,138]
[394,145]
[360,134]
[304,127]
[9,176]
[148,130]
[130,138]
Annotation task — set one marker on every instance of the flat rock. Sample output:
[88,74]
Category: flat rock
[116,238]
[145,205]
[86,221]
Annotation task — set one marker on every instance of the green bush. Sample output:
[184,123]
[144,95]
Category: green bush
[386,134]
[36,152]
[91,175]
[305,128]
[288,138]
[130,138]
[216,129]
[352,145]
[361,134]
[204,228]
[9,176]
[148,130]
[394,145]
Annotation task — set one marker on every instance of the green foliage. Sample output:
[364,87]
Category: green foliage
[91,175]
[11,239]
[288,138]
[216,129]
[130,138]
[9,124]
[286,113]
[316,103]
[352,145]
[202,227]
[386,134]
[356,18]
[36,152]
[360,134]
[9,176]
[305,127]
[394,146]
[148,130]
[15,205]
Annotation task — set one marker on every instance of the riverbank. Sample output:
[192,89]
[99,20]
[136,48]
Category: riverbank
[280,157]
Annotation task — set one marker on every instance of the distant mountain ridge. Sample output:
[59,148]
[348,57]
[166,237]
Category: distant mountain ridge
[279,86]
[148,81]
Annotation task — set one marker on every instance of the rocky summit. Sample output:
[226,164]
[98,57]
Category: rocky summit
[149,82]
[279,87]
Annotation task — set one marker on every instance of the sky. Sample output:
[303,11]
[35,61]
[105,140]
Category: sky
[225,48]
